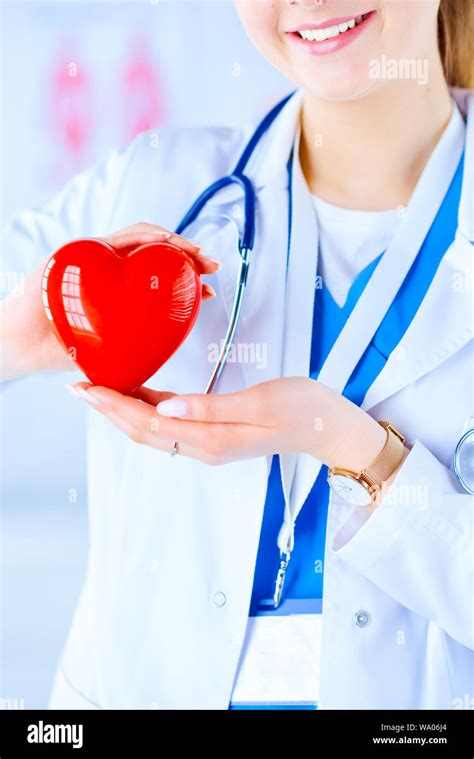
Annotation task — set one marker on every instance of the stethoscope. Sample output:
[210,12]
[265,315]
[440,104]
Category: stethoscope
[246,236]
[463,458]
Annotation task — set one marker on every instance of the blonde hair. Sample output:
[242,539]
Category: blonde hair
[456,34]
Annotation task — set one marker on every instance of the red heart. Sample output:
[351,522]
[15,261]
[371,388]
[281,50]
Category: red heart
[121,315]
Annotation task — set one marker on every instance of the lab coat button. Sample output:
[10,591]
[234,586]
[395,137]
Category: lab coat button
[362,618]
[219,599]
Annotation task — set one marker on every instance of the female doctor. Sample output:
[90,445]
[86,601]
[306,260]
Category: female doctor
[294,550]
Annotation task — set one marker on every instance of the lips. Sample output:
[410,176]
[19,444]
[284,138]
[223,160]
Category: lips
[330,35]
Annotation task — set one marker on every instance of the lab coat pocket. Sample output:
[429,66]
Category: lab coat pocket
[279,662]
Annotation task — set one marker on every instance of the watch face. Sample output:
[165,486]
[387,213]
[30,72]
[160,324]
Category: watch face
[350,490]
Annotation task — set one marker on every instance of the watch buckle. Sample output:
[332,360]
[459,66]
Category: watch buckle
[389,427]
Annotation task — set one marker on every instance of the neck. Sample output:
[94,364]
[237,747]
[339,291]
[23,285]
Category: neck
[368,154]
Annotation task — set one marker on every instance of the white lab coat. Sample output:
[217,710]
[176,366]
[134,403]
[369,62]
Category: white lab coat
[163,612]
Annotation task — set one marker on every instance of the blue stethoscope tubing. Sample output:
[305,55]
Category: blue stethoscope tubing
[246,243]
[246,239]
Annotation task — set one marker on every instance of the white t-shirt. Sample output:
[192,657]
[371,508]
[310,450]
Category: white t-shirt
[349,241]
[279,663]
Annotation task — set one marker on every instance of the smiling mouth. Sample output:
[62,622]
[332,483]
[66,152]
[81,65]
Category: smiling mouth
[321,34]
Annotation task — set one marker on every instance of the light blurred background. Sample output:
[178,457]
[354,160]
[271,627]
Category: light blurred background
[137,65]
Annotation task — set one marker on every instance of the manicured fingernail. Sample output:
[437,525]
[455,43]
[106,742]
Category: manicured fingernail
[214,261]
[84,395]
[72,391]
[211,291]
[196,245]
[173,407]
[163,234]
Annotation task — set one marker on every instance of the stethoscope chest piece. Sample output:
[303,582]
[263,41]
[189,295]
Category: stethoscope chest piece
[463,461]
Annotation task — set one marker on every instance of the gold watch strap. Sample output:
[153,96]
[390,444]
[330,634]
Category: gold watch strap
[389,458]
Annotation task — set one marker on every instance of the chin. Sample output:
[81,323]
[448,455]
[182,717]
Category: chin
[345,83]
[342,92]
[340,75]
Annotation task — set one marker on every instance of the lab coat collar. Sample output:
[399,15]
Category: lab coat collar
[465,102]
[439,330]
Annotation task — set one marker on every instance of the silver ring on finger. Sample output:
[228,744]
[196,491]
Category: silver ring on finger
[174,450]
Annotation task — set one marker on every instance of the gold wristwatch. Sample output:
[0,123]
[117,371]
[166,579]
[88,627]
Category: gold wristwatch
[362,488]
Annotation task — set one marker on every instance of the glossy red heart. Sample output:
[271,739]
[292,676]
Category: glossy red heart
[121,315]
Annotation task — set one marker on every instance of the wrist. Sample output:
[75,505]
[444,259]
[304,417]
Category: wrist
[362,446]
[367,486]
[341,434]
[357,445]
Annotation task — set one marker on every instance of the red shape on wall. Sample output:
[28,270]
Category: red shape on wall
[140,90]
[71,103]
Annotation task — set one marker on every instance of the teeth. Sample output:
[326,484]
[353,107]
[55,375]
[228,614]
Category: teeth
[319,35]
[333,31]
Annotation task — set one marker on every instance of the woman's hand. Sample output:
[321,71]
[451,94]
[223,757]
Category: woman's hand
[279,416]
[29,344]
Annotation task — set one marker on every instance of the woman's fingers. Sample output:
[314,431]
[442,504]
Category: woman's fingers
[137,420]
[208,292]
[131,240]
[205,265]
[142,233]
[141,423]
[249,406]
[143,230]
[147,395]
[105,396]
[137,411]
